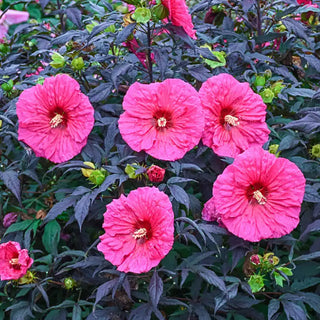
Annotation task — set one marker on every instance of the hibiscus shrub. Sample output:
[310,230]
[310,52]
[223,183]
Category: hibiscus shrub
[160,159]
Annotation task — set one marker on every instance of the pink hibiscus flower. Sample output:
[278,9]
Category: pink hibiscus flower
[138,230]
[164,119]
[234,116]
[258,196]
[9,18]
[304,2]
[14,262]
[55,118]
[179,15]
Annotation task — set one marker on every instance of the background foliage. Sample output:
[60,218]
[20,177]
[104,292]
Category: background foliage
[205,276]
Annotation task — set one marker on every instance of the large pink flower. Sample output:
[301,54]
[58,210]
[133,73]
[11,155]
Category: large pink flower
[179,15]
[258,196]
[164,119]
[55,118]
[9,18]
[234,116]
[138,230]
[14,262]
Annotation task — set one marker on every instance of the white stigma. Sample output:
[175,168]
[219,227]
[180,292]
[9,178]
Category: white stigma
[140,233]
[56,120]
[162,122]
[231,120]
[259,197]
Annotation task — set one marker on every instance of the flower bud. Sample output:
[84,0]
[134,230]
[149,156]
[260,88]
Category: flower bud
[130,171]
[29,277]
[268,74]
[97,176]
[267,95]
[122,9]
[77,64]
[315,151]
[9,219]
[271,258]
[7,86]
[273,148]
[69,283]
[160,11]
[256,282]
[155,173]
[142,15]
[255,259]
[277,87]
[87,172]
[58,61]
[260,81]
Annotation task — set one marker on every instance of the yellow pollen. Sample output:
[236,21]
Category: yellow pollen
[56,120]
[14,261]
[162,122]
[140,233]
[259,197]
[231,120]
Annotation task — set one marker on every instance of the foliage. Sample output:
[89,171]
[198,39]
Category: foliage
[208,273]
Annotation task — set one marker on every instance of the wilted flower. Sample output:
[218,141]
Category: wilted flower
[55,118]
[234,116]
[259,195]
[138,230]
[14,261]
[156,173]
[163,119]
[9,219]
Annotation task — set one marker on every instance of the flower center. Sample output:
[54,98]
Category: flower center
[259,197]
[231,120]
[14,262]
[140,233]
[56,120]
[162,122]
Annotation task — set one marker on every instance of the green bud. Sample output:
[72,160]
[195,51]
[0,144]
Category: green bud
[87,172]
[8,86]
[77,63]
[160,11]
[260,81]
[273,148]
[277,87]
[142,15]
[69,283]
[315,151]
[256,282]
[58,61]
[29,277]
[268,74]
[97,176]
[267,95]
[271,259]
[130,171]
[122,9]
[280,28]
